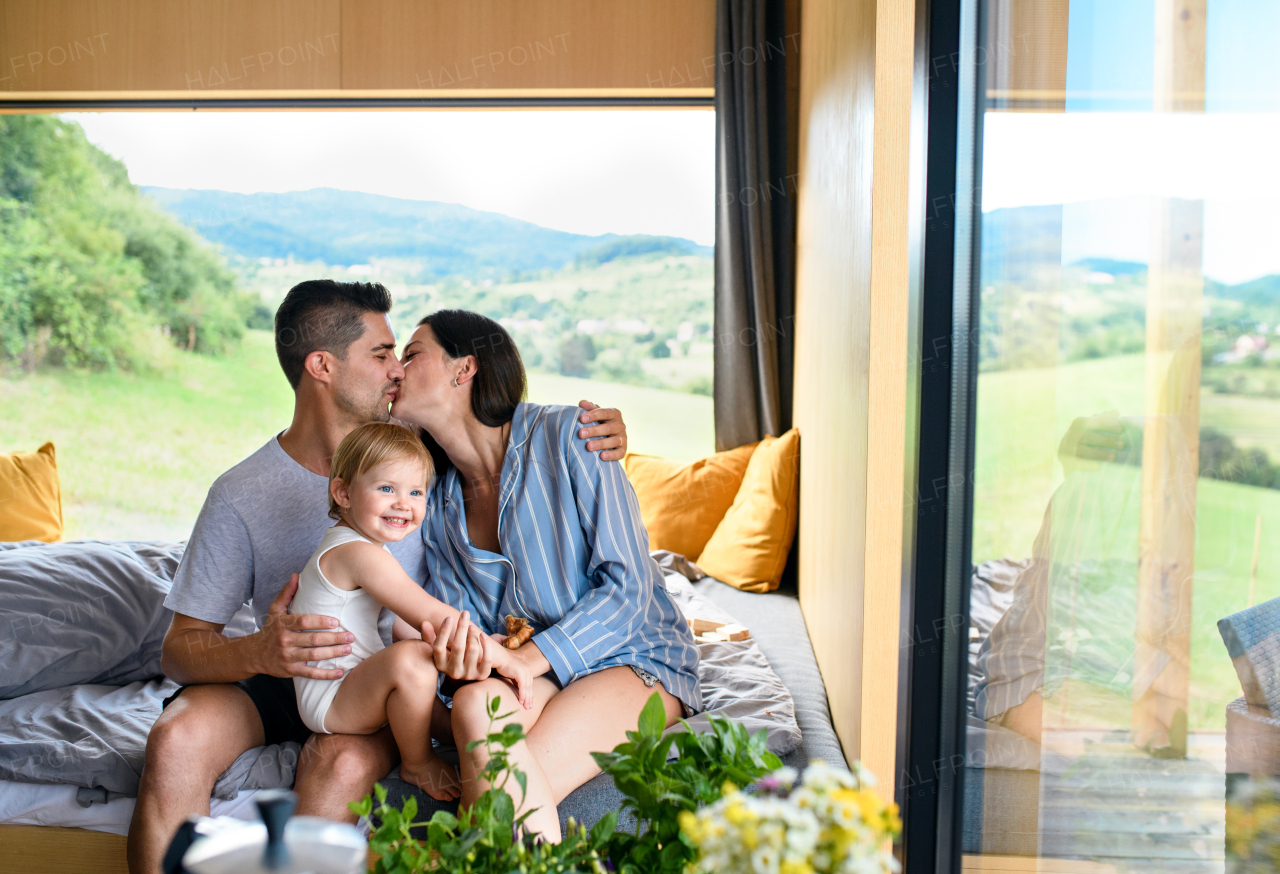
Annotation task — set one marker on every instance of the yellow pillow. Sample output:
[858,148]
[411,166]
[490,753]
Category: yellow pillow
[681,504]
[30,499]
[749,548]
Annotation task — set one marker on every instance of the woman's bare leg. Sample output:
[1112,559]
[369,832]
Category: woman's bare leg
[397,685]
[592,714]
[471,722]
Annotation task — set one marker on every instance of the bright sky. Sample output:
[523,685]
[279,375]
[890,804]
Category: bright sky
[1120,159]
[589,172]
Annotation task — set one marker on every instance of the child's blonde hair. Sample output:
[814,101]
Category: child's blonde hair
[370,445]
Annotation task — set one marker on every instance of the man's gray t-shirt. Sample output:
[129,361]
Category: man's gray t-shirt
[260,523]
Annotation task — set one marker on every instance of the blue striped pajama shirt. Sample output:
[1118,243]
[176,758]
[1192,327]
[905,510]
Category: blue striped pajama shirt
[575,559]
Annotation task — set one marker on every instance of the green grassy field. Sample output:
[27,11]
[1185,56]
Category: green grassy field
[1023,414]
[137,453]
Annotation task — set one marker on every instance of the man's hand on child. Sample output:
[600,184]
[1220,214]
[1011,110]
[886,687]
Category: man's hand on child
[287,642]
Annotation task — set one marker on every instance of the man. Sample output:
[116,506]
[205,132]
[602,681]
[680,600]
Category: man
[259,524]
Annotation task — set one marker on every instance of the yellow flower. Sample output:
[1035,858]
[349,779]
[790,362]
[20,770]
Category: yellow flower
[737,814]
[790,867]
[690,826]
[870,805]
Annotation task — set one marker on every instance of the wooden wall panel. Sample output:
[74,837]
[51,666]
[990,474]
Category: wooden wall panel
[888,348]
[852,295]
[833,299]
[1026,53]
[272,48]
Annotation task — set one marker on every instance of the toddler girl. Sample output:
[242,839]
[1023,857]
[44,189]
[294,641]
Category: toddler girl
[377,491]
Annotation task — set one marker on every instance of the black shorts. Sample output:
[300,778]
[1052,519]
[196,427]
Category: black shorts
[277,706]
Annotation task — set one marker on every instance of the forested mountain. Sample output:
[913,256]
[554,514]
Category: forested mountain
[92,274]
[349,227]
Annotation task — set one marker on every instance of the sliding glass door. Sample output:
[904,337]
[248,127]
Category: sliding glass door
[1126,438]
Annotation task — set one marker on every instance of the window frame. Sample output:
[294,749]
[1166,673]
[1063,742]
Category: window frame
[935,618]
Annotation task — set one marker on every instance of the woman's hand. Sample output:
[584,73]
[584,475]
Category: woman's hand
[459,650]
[515,669]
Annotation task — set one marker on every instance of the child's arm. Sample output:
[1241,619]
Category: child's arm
[375,570]
[372,568]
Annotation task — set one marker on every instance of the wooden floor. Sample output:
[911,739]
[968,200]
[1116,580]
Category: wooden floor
[34,849]
[1107,806]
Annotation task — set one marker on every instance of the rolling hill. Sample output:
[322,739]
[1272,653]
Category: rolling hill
[349,227]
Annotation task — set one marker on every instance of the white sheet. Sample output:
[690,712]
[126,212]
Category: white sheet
[47,804]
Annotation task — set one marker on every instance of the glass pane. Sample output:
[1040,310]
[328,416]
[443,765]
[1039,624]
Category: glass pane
[1127,482]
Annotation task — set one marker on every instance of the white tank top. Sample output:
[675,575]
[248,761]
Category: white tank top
[356,610]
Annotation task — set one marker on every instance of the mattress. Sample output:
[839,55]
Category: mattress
[49,804]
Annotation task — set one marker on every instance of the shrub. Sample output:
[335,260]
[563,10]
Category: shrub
[89,268]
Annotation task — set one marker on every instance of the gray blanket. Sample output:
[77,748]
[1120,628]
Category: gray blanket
[84,612]
[84,624]
[89,736]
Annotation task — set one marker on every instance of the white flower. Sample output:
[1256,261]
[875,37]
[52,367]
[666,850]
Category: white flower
[765,861]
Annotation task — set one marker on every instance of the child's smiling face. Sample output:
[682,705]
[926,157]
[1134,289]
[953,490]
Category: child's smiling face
[385,502]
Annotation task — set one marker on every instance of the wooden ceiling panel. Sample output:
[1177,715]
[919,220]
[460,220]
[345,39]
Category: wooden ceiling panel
[245,48]
[430,45]
[167,46]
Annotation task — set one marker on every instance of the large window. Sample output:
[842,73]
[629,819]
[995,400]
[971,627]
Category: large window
[1126,491]
[135,323]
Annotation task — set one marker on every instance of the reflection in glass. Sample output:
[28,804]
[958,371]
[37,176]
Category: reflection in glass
[1127,480]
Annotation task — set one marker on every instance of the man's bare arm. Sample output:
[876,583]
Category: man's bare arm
[196,651]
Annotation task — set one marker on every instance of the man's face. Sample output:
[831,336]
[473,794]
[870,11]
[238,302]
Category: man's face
[370,376]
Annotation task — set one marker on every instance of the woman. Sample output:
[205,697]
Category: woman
[524,521]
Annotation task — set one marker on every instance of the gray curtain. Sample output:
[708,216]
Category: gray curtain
[754,275]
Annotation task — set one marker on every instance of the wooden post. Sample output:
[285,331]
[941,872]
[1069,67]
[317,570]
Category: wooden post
[1171,432]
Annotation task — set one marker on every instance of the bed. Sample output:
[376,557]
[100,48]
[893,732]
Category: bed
[73,724]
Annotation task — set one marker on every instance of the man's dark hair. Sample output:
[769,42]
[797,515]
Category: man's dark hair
[324,315]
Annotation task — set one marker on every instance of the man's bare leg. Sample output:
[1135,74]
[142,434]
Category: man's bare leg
[336,768]
[197,737]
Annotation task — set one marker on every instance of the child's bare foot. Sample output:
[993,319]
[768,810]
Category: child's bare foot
[436,777]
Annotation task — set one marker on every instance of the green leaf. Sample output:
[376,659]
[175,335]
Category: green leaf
[445,819]
[653,718]
[522,779]
[602,830]
[381,792]
[495,704]
[410,808]
[504,809]
[674,855]
[363,807]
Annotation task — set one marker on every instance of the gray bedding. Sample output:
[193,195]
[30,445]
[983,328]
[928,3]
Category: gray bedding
[88,736]
[84,612]
[83,623]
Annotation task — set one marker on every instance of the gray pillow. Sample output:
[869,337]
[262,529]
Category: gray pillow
[1253,641]
[82,612]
